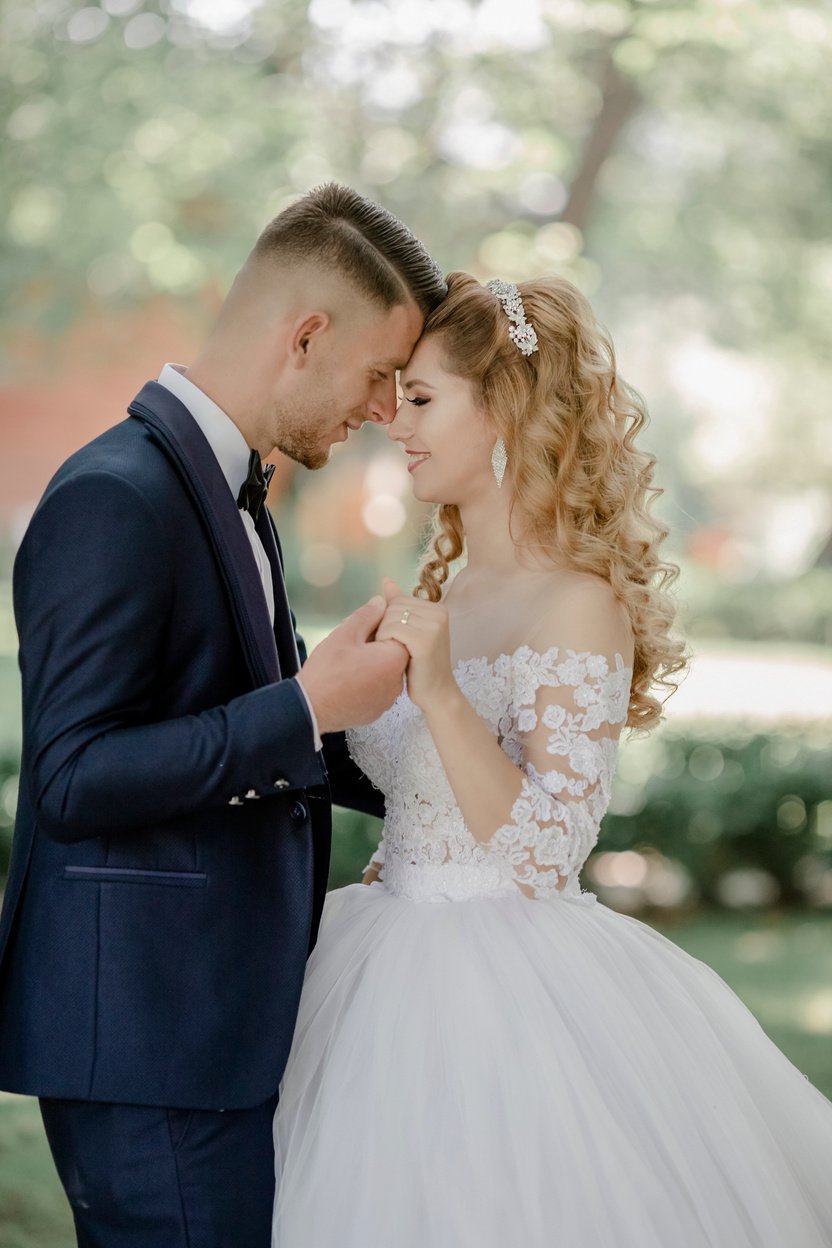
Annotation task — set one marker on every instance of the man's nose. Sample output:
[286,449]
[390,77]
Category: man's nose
[382,404]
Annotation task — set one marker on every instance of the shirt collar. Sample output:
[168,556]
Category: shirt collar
[223,436]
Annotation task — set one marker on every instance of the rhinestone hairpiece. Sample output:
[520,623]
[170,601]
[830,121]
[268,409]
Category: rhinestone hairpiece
[520,332]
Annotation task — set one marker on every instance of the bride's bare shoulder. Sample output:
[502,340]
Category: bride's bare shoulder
[580,611]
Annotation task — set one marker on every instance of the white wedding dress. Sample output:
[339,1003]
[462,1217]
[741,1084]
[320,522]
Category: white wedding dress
[474,1067]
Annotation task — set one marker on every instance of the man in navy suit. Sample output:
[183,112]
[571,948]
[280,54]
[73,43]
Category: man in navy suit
[180,751]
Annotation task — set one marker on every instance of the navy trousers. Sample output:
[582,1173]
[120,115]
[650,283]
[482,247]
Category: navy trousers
[141,1177]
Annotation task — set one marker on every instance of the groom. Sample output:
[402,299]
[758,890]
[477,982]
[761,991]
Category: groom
[172,836]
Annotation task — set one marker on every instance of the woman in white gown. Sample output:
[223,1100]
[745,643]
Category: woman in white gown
[485,1056]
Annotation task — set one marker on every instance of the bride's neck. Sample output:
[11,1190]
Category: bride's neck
[489,546]
[488,543]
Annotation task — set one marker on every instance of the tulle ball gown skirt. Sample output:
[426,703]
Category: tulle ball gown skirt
[507,1073]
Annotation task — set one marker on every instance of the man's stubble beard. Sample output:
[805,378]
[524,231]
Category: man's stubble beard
[302,433]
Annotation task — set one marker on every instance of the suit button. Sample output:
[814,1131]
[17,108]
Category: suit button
[235,801]
[252,794]
[298,811]
[281,783]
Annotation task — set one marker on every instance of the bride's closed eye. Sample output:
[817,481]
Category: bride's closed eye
[418,401]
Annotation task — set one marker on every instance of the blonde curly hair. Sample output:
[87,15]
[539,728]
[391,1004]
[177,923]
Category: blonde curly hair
[581,487]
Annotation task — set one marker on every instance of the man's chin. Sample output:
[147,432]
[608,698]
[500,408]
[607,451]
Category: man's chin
[308,457]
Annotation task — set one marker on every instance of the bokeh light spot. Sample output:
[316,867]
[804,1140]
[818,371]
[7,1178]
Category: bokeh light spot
[35,215]
[143,30]
[86,25]
[384,515]
[151,241]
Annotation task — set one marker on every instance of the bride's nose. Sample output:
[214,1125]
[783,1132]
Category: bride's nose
[399,429]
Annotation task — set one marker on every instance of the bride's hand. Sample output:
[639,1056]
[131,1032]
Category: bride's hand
[422,628]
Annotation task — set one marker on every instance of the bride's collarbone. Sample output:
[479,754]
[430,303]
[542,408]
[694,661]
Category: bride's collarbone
[488,645]
[498,625]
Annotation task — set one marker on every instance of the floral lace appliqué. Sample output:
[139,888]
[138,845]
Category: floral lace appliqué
[556,715]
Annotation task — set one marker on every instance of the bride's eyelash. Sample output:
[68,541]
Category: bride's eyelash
[418,401]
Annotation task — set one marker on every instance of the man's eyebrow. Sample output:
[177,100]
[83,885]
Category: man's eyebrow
[414,381]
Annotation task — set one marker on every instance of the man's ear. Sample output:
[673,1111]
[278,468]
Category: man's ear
[306,331]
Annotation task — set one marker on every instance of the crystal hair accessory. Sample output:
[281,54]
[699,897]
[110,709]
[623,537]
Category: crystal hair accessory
[520,332]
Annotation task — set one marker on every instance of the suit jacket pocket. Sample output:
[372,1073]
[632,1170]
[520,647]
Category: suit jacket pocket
[136,875]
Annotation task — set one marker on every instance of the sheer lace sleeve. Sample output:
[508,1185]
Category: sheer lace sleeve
[561,728]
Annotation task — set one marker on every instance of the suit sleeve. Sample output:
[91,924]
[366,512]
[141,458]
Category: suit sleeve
[93,590]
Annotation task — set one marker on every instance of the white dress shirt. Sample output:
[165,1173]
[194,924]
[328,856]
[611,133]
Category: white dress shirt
[232,454]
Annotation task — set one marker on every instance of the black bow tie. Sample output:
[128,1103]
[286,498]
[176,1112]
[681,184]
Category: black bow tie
[254,489]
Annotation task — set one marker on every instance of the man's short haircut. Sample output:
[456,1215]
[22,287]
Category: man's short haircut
[339,229]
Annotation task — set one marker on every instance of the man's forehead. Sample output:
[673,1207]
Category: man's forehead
[396,335]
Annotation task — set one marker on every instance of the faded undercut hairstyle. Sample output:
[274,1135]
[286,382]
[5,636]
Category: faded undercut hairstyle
[340,230]
[581,485]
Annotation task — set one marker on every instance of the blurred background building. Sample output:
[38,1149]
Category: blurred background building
[674,159]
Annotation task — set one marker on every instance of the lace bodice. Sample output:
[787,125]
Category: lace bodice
[557,715]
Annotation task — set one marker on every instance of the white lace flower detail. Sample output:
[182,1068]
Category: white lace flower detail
[531,671]
[556,782]
[537,705]
[572,670]
[567,726]
[596,666]
[615,695]
[586,757]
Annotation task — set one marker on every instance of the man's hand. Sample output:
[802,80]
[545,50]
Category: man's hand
[350,678]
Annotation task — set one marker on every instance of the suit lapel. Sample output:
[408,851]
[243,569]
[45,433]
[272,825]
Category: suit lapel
[185,444]
[284,632]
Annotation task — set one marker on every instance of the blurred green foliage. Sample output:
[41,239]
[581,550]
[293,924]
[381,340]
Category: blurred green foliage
[796,609]
[720,799]
[673,157]
[191,127]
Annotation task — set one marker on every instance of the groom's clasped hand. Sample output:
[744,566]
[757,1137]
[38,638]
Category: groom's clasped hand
[356,672]
[351,677]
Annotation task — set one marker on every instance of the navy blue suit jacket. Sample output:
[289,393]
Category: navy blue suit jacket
[172,838]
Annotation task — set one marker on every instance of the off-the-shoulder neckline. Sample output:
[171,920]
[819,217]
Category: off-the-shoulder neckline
[483,660]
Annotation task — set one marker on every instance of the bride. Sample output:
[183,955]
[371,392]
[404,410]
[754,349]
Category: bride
[487,1057]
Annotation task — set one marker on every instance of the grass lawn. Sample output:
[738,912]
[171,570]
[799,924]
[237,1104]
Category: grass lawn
[33,1209]
[780,964]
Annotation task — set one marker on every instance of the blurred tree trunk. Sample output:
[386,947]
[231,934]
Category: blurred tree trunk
[619,100]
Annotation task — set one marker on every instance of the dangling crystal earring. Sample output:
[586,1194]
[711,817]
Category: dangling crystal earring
[499,459]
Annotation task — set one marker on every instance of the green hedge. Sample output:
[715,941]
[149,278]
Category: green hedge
[788,609]
[718,801]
